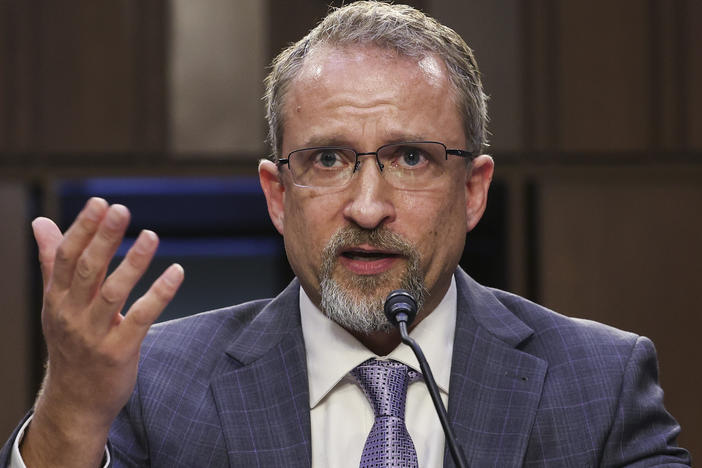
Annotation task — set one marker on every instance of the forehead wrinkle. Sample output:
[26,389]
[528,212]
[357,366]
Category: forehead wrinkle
[342,139]
[339,105]
[380,103]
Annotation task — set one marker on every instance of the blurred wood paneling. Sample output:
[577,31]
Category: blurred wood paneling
[539,52]
[6,56]
[16,347]
[83,76]
[85,42]
[586,76]
[604,100]
[667,70]
[693,73]
[19,72]
[217,63]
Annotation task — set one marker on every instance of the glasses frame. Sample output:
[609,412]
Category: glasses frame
[452,151]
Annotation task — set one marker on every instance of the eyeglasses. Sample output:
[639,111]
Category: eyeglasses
[407,165]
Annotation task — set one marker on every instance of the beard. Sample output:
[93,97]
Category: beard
[357,302]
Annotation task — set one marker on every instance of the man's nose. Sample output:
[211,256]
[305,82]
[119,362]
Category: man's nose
[370,204]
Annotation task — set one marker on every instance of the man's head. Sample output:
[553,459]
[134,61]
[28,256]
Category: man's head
[400,28]
[362,221]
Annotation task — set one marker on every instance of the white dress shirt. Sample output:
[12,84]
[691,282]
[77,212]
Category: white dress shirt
[16,460]
[341,416]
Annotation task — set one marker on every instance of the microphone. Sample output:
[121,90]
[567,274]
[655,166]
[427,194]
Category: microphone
[401,310]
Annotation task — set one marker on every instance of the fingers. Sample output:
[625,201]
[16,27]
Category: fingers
[48,237]
[92,263]
[148,307]
[74,242]
[116,288]
[76,262]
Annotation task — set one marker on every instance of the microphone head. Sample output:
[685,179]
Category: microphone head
[400,306]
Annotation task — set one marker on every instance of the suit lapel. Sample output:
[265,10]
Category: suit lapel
[495,388]
[261,389]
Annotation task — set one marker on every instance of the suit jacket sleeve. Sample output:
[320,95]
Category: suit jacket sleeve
[127,436]
[643,432]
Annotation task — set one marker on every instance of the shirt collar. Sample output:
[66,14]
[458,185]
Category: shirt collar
[332,351]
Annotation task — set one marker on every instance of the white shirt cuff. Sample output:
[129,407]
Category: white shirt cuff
[16,459]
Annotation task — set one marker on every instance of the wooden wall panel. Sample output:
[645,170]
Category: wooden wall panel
[565,77]
[604,80]
[666,39]
[693,74]
[493,29]
[539,50]
[86,94]
[6,53]
[79,76]
[149,24]
[217,65]
[626,252]
[16,353]
[19,68]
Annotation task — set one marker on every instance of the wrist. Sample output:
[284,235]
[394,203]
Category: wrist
[48,444]
[62,435]
[70,400]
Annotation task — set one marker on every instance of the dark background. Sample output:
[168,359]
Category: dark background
[596,115]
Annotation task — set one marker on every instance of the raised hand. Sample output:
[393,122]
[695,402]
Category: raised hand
[93,349]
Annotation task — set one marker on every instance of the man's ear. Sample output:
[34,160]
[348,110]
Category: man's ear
[477,185]
[274,190]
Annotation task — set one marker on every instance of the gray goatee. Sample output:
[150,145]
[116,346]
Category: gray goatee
[356,303]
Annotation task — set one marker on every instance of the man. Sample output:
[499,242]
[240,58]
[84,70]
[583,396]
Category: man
[377,123]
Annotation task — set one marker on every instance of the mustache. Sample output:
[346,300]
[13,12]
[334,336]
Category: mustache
[381,238]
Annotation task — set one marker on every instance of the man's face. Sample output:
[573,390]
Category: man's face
[365,235]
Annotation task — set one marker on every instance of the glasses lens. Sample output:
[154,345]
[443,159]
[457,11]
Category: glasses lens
[322,167]
[413,165]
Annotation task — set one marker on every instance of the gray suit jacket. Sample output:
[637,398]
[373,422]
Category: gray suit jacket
[528,387]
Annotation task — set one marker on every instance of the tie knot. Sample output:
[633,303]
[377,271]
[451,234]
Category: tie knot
[385,385]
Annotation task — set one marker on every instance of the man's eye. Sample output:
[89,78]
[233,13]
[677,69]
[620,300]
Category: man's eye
[327,158]
[410,157]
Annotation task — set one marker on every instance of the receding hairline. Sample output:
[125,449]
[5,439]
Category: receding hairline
[361,47]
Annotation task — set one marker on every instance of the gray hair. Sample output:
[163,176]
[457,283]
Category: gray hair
[401,28]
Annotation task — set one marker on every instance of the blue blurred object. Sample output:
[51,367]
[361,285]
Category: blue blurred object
[176,205]
[217,228]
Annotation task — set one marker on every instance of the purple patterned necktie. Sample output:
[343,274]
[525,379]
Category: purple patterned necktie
[385,385]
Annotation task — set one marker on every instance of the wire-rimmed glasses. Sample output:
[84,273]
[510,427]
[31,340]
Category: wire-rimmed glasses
[406,165]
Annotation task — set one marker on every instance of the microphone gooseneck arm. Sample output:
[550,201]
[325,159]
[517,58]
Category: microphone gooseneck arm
[401,309]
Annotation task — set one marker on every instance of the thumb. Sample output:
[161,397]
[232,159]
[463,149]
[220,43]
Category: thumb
[48,237]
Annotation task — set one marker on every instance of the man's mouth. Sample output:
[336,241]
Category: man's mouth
[367,255]
[367,261]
